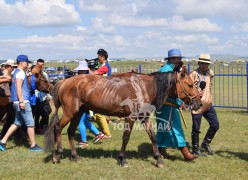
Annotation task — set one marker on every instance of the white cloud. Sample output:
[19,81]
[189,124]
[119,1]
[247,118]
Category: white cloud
[125,28]
[137,22]
[38,13]
[240,27]
[92,6]
[196,38]
[60,38]
[226,9]
[194,25]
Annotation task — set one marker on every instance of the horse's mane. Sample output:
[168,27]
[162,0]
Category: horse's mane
[161,80]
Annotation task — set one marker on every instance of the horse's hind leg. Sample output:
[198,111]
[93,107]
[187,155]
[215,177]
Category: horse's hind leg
[148,127]
[71,133]
[125,138]
[57,154]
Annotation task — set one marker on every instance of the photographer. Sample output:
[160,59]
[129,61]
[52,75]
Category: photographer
[105,70]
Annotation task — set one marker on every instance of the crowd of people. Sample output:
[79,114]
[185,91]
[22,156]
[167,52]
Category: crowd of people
[24,114]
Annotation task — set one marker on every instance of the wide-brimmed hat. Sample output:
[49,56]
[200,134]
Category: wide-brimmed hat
[10,62]
[174,53]
[204,58]
[82,65]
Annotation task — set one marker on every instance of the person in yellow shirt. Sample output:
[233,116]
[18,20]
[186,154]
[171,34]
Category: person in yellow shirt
[104,70]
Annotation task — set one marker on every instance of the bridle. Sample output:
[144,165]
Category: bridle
[183,90]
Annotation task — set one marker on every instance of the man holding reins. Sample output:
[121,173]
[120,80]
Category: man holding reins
[169,117]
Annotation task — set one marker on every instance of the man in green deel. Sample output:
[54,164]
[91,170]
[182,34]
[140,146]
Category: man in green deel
[169,128]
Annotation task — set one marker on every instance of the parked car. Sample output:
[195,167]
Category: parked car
[54,76]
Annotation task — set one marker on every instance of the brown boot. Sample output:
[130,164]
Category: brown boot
[187,155]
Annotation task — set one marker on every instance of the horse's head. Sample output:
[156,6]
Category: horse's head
[42,84]
[185,88]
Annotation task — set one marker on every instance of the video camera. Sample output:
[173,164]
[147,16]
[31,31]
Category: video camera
[93,63]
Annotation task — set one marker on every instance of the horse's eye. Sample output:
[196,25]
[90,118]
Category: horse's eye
[191,85]
[36,75]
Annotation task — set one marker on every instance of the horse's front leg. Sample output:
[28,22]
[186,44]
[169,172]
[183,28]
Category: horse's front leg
[148,127]
[125,138]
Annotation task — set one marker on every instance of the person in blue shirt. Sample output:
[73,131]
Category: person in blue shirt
[42,107]
[169,128]
[20,95]
[84,122]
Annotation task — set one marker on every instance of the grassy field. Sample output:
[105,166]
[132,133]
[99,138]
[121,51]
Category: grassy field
[100,161]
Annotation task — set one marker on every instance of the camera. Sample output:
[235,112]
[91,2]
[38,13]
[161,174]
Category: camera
[93,63]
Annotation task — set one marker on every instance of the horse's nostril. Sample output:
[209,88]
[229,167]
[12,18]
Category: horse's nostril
[200,104]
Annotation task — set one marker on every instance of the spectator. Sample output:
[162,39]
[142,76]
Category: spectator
[42,108]
[20,97]
[83,69]
[202,78]
[104,70]
[10,115]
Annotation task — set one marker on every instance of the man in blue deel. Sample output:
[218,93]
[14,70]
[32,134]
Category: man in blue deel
[169,128]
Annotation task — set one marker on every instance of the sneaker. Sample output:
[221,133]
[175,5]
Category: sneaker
[36,148]
[107,137]
[98,137]
[83,144]
[3,147]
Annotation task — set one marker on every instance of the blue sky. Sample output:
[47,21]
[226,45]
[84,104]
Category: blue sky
[125,28]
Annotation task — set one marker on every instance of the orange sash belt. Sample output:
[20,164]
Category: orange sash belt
[171,104]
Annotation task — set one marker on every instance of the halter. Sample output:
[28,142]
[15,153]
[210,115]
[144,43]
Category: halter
[187,95]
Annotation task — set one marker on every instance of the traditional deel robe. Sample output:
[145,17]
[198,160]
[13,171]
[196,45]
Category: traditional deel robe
[169,127]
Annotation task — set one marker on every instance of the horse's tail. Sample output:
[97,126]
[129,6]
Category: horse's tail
[50,134]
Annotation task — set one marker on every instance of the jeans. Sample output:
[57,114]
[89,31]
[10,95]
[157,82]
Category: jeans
[23,116]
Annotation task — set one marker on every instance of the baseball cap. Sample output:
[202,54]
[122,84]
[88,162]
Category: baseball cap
[22,58]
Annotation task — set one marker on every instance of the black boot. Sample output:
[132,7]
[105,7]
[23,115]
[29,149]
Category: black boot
[207,140]
[195,144]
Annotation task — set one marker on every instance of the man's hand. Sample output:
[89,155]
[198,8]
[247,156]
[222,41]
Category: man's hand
[201,93]
[22,105]
[5,79]
[92,71]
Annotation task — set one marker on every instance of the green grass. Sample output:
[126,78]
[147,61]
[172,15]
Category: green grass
[99,161]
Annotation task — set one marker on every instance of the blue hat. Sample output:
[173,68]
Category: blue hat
[174,53]
[22,58]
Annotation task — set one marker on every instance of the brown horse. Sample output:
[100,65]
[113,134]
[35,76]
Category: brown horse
[42,84]
[111,96]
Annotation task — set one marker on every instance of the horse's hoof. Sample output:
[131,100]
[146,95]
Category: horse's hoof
[55,160]
[160,164]
[124,163]
[75,158]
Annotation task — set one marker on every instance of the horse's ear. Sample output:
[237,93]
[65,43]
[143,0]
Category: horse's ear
[184,71]
[36,69]
[178,67]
